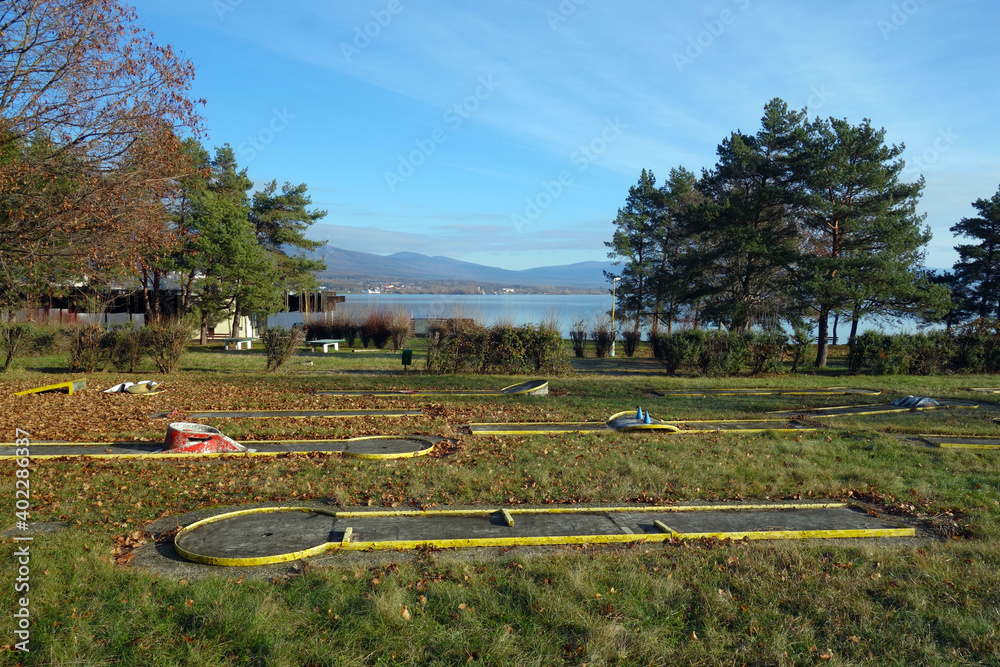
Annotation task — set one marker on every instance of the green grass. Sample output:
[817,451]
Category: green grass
[933,600]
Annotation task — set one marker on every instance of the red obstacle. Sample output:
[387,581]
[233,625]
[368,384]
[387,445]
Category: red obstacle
[186,437]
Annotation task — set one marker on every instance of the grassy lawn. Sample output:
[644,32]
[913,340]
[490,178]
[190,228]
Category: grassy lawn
[93,600]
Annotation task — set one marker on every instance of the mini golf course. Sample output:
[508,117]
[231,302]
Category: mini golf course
[369,447]
[300,414]
[266,535]
[531,388]
[910,403]
[831,391]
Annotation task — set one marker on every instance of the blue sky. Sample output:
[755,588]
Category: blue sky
[508,133]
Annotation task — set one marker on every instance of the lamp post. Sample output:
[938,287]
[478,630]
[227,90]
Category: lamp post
[614,284]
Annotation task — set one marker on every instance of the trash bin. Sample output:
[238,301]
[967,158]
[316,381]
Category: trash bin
[407,357]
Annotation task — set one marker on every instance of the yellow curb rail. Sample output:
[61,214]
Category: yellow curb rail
[347,543]
[230,455]
[962,441]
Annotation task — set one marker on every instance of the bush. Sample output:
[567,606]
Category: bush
[978,347]
[504,350]
[501,349]
[344,322]
[377,327]
[578,334]
[601,335]
[280,344]
[399,324]
[880,354]
[679,350]
[165,341]
[932,353]
[724,354]
[545,350]
[14,340]
[126,347]
[89,345]
[800,347]
[630,341]
[766,351]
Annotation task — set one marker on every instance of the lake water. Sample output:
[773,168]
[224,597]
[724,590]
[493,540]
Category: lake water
[487,308]
[527,308]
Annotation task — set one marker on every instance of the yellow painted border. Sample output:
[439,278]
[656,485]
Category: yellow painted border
[553,540]
[214,414]
[532,390]
[390,393]
[764,391]
[589,427]
[186,455]
[955,445]
[883,409]
[960,445]
[560,427]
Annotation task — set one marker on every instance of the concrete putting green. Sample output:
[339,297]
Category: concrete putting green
[531,388]
[761,391]
[371,447]
[627,421]
[905,405]
[262,536]
[300,414]
[744,425]
[621,421]
[962,442]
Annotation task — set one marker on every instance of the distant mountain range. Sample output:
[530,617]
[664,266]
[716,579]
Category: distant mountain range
[410,266]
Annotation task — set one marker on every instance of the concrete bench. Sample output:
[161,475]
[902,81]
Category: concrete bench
[326,343]
[238,342]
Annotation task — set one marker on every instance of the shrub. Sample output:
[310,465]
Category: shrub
[377,326]
[501,349]
[545,350]
[126,347]
[88,347]
[578,334]
[343,322]
[165,341]
[723,354]
[399,324]
[280,344]
[679,350]
[463,351]
[504,350]
[766,351]
[14,340]
[630,341]
[800,347]
[931,353]
[978,344]
[601,335]
[880,354]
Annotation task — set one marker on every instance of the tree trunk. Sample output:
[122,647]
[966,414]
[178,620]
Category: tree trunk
[824,331]
[204,328]
[855,316]
[234,331]
[157,296]
[836,323]
[145,296]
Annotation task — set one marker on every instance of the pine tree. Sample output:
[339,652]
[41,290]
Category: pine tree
[633,244]
[745,234]
[864,239]
[977,271]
